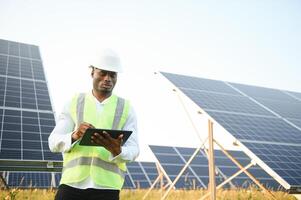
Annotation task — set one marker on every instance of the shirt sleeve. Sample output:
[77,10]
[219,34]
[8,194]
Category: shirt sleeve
[60,138]
[130,150]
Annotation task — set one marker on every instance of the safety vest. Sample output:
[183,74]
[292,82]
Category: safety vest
[83,161]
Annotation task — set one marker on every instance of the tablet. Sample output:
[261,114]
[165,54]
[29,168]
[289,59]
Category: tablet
[86,139]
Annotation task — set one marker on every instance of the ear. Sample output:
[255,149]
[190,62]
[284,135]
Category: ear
[92,71]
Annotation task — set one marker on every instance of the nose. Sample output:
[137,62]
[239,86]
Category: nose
[108,77]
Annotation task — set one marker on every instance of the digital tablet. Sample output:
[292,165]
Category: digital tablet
[86,139]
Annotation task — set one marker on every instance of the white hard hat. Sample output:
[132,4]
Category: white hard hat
[107,60]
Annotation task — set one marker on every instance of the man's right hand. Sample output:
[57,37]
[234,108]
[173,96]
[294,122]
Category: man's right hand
[77,134]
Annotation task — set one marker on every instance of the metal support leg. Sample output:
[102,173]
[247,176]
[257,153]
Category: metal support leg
[4,182]
[211,166]
[246,172]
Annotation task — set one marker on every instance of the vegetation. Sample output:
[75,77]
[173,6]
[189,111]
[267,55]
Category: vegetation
[239,194]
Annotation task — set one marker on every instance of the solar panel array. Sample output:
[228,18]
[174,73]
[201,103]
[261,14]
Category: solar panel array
[173,159]
[27,119]
[26,115]
[267,121]
[139,175]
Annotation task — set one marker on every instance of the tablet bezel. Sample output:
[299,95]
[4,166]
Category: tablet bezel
[86,139]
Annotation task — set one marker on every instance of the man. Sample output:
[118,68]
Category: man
[95,172]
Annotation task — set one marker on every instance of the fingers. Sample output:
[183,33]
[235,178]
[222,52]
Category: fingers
[81,130]
[104,139]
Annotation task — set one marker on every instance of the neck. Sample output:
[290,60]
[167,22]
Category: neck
[101,96]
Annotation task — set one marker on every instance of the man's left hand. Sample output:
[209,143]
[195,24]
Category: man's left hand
[105,140]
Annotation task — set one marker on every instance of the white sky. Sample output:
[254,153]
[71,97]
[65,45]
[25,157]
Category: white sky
[250,42]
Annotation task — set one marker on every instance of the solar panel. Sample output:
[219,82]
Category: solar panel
[29,179]
[26,113]
[196,176]
[296,122]
[139,175]
[295,95]
[280,102]
[260,118]
[26,116]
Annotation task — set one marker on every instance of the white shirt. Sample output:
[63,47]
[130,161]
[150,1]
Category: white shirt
[60,140]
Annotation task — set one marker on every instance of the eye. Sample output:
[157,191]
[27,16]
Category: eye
[102,73]
[113,74]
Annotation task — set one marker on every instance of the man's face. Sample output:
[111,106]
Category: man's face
[103,81]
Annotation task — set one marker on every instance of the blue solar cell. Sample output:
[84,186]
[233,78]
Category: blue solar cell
[138,176]
[47,122]
[170,158]
[199,84]
[11,135]
[12,94]
[296,95]
[135,169]
[37,69]
[48,155]
[13,48]
[285,109]
[12,102]
[29,180]
[225,102]
[32,136]
[30,121]
[151,170]
[12,119]
[30,128]
[44,115]
[3,65]
[31,145]
[173,169]
[28,103]
[3,46]
[24,50]
[201,171]
[163,149]
[256,128]
[11,127]
[46,129]
[128,183]
[32,154]
[198,160]
[296,122]
[8,112]
[261,92]
[35,52]
[13,68]
[10,153]
[10,144]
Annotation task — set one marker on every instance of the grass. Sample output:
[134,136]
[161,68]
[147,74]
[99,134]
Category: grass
[239,194]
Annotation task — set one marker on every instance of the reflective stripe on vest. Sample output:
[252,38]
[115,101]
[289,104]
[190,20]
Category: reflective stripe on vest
[83,161]
[81,105]
[96,162]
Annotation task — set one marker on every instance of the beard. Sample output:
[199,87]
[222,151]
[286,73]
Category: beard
[99,87]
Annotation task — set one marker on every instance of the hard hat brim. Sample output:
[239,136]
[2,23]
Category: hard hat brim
[106,68]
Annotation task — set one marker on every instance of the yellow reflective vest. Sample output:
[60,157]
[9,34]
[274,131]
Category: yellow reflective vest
[83,161]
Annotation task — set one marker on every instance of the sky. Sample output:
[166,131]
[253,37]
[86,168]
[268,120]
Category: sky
[249,42]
